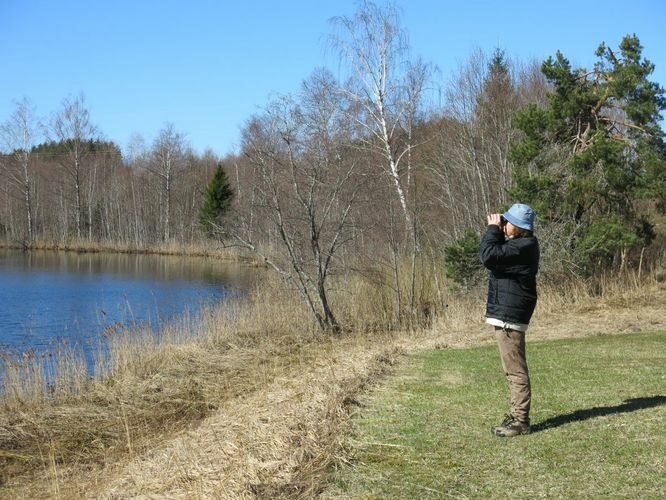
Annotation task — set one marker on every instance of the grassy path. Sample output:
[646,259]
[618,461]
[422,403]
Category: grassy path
[599,420]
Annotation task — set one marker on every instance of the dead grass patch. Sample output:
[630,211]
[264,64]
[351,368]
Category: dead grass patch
[194,249]
[277,442]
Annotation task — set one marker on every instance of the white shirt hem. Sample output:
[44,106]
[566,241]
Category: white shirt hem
[519,327]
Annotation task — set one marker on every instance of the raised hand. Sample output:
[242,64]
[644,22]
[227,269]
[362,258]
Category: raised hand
[495,219]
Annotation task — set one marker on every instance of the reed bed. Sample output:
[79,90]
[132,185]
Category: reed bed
[203,248]
[145,386]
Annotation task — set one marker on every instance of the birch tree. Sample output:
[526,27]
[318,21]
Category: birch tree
[168,158]
[384,90]
[309,184]
[73,129]
[136,157]
[19,134]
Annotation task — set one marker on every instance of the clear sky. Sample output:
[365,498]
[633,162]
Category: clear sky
[207,65]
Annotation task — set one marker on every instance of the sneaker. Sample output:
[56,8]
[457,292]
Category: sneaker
[511,427]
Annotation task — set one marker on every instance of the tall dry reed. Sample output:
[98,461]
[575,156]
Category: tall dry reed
[203,248]
[146,385]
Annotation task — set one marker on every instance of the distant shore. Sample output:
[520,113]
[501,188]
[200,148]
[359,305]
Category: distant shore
[201,249]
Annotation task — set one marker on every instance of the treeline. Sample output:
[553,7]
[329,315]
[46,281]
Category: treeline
[77,186]
[376,173]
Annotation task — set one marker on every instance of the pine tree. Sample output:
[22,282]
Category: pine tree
[593,151]
[217,202]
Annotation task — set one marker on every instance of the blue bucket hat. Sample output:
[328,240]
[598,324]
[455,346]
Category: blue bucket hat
[521,215]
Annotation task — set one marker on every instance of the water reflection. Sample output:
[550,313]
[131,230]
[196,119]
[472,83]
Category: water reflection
[134,266]
[51,297]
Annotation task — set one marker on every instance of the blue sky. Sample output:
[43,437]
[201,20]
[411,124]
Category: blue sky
[207,65]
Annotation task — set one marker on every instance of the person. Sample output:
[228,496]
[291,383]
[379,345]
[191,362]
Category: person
[510,250]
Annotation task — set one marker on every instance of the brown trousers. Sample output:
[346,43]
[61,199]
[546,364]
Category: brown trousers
[512,351]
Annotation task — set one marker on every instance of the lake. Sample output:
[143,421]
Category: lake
[48,298]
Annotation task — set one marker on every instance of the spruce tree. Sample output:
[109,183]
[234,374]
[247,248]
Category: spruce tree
[217,202]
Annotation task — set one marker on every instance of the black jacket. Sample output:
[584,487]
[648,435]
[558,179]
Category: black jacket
[513,264]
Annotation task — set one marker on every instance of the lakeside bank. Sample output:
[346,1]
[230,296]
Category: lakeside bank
[55,299]
[201,249]
[257,402]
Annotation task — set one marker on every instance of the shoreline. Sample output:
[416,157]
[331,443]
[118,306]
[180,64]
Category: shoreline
[84,343]
[175,250]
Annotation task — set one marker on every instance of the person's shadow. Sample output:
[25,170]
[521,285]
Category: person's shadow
[599,411]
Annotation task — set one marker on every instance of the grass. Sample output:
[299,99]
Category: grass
[251,401]
[149,388]
[204,248]
[598,417]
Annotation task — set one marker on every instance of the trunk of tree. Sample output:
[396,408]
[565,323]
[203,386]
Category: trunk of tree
[167,208]
[27,195]
[330,323]
[77,187]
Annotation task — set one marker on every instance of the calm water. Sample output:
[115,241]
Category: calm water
[47,298]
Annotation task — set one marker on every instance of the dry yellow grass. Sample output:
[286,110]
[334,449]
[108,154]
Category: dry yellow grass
[275,442]
[255,402]
[280,441]
[196,249]
[147,390]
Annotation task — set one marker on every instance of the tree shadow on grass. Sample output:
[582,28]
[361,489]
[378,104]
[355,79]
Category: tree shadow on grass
[599,411]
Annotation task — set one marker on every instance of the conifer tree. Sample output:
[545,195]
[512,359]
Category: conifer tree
[593,151]
[217,202]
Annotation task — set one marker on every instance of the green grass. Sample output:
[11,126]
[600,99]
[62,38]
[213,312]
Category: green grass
[598,418]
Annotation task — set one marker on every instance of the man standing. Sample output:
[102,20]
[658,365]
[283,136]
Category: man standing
[511,252]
